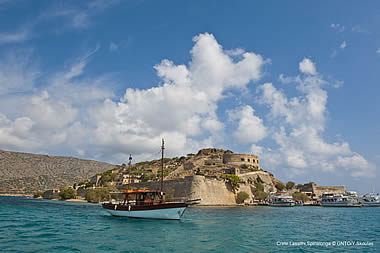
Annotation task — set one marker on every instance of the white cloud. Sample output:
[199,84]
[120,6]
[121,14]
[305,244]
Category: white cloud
[17,73]
[75,113]
[343,45]
[113,46]
[359,29]
[307,66]
[337,27]
[298,124]
[79,17]
[14,37]
[184,106]
[378,51]
[250,128]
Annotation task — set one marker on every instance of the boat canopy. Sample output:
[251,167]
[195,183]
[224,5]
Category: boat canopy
[143,191]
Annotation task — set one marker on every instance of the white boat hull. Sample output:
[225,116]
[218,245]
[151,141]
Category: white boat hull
[374,204]
[342,204]
[282,204]
[166,213]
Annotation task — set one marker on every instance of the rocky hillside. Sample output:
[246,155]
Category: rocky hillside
[28,173]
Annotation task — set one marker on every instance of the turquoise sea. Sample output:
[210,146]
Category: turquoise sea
[28,225]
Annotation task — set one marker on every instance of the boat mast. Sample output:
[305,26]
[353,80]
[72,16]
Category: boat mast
[130,163]
[162,167]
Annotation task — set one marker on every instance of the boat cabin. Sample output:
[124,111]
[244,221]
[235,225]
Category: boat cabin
[143,197]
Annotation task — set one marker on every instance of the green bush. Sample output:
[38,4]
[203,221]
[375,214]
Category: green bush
[234,180]
[199,172]
[37,194]
[280,186]
[244,166]
[68,193]
[97,195]
[290,185]
[300,196]
[148,176]
[241,196]
[258,191]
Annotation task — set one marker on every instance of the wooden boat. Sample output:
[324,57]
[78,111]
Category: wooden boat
[147,203]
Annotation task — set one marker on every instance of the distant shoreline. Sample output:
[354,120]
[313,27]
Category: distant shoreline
[15,195]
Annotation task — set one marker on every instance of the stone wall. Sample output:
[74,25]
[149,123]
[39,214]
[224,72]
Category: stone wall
[240,159]
[317,190]
[210,190]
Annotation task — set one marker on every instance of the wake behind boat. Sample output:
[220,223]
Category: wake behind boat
[146,203]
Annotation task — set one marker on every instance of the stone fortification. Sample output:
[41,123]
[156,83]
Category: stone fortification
[241,160]
[210,190]
[316,191]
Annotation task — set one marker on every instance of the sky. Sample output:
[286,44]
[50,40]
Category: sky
[295,82]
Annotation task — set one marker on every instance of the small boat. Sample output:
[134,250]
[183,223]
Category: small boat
[281,199]
[370,199]
[348,199]
[148,204]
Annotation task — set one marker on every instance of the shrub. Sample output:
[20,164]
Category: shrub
[147,177]
[199,172]
[261,195]
[280,186]
[290,185]
[241,196]
[97,195]
[234,180]
[68,193]
[37,194]
[258,191]
[244,166]
[300,196]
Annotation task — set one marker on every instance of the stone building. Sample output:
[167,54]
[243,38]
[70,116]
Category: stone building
[241,159]
[315,191]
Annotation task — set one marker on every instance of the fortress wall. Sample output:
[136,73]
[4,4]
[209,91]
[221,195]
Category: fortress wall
[319,190]
[239,159]
[264,176]
[210,191]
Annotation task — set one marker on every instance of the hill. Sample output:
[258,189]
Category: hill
[26,173]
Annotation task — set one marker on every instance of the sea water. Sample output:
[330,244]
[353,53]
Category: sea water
[29,225]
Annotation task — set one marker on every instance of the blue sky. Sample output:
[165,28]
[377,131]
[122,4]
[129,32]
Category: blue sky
[295,82]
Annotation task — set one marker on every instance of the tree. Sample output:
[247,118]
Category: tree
[280,186]
[299,196]
[37,194]
[97,195]
[241,196]
[261,195]
[68,193]
[290,185]
[234,180]
[258,191]
[148,176]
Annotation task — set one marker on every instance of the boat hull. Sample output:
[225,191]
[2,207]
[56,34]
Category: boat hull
[166,214]
[344,204]
[371,204]
[167,211]
[282,204]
